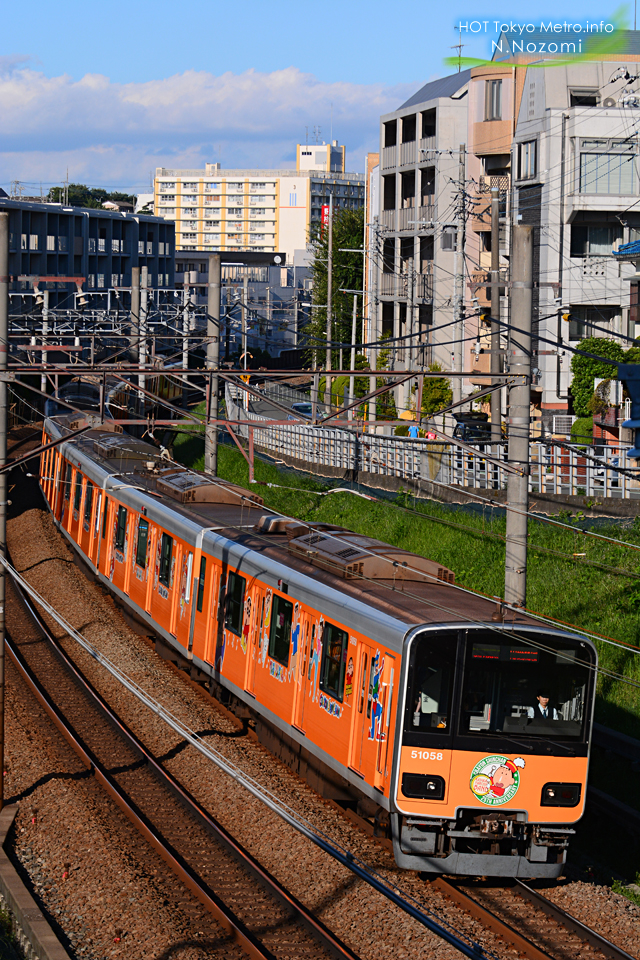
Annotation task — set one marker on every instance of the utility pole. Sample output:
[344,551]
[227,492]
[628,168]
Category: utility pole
[515,579]
[142,345]
[327,378]
[458,308]
[213,364]
[4,346]
[135,314]
[373,313]
[352,379]
[496,405]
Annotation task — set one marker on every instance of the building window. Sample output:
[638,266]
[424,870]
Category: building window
[166,546]
[607,173]
[190,199]
[594,239]
[280,634]
[527,160]
[493,100]
[582,318]
[189,186]
[584,98]
[335,644]
[167,186]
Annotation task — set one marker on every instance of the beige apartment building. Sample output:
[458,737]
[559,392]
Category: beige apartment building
[259,210]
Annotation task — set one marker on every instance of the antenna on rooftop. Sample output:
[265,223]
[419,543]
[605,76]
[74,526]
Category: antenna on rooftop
[458,46]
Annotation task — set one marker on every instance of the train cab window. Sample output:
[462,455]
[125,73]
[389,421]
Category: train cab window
[67,482]
[105,517]
[514,687]
[431,670]
[166,547]
[77,496]
[280,633]
[121,529]
[201,582]
[88,502]
[335,643]
[234,603]
[141,545]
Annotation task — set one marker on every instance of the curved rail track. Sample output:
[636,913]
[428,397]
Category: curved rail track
[242,899]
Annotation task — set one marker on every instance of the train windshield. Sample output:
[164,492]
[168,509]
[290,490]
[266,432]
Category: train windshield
[537,688]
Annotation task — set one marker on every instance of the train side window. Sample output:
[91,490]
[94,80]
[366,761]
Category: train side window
[67,482]
[313,640]
[280,634]
[201,582]
[141,545]
[165,559]
[233,604]
[334,658]
[364,683]
[88,502]
[121,528]
[105,517]
[77,496]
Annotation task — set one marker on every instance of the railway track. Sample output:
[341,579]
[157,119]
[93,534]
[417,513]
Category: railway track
[240,899]
[529,921]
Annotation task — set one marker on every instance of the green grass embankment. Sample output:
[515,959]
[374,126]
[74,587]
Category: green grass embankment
[560,584]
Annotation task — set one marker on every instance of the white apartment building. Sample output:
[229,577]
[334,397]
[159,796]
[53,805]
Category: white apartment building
[260,210]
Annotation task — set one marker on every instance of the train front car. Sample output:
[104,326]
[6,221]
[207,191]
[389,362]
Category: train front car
[492,749]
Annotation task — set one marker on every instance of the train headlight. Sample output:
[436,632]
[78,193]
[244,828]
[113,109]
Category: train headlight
[561,794]
[423,786]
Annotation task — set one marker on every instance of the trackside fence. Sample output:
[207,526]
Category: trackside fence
[554,470]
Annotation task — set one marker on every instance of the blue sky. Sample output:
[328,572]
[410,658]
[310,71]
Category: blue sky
[112,90]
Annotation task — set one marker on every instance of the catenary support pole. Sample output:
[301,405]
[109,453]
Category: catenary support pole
[213,363]
[144,310]
[519,355]
[4,341]
[352,379]
[45,331]
[496,412]
[327,378]
[135,314]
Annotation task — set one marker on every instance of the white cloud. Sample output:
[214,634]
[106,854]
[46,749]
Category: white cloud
[112,133]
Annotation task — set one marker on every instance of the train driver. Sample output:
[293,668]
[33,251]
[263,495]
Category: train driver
[543,709]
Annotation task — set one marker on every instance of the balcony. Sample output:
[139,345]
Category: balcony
[424,283]
[407,153]
[388,284]
[389,155]
[426,146]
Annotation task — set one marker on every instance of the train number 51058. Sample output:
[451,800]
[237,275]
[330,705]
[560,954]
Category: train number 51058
[425,755]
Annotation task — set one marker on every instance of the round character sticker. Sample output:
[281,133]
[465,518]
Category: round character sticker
[495,780]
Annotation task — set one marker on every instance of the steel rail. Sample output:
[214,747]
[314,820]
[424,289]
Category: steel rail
[232,924]
[571,923]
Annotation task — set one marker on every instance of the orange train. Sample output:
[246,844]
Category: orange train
[464,734]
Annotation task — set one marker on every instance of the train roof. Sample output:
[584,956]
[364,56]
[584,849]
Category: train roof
[392,588]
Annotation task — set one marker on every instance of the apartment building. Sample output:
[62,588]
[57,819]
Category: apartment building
[259,210]
[98,247]
[413,244]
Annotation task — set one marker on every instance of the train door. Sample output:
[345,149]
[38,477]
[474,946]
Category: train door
[302,678]
[370,731]
[253,648]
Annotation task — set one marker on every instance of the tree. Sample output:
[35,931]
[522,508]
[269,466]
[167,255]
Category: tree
[436,392]
[348,229]
[585,370]
[82,196]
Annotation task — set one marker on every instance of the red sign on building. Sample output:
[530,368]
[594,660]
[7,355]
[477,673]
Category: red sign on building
[325,216]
